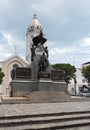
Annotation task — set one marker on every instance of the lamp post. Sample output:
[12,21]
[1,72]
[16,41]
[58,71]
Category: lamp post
[75,82]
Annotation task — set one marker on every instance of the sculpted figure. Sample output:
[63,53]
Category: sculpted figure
[39,39]
[46,50]
[43,64]
[32,52]
[13,74]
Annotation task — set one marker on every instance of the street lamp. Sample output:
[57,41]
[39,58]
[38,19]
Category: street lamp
[75,82]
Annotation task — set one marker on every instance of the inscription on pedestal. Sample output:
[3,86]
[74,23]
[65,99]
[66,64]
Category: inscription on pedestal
[57,74]
[23,72]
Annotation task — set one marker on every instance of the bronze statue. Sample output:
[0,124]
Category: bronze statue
[32,52]
[43,64]
[46,50]
[39,39]
[13,74]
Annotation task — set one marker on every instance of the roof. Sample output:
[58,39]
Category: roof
[86,63]
[35,22]
[34,25]
[13,56]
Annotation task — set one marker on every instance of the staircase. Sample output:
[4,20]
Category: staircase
[42,97]
[48,121]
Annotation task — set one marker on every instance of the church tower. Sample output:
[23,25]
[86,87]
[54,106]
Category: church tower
[33,30]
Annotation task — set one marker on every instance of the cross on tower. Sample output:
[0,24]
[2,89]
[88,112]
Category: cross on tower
[15,48]
[35,15]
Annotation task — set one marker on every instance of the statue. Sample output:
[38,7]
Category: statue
[43,64]
[39,39]
[46,50]
[13,74]
[32,52]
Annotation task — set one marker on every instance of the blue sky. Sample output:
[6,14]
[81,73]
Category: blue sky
[66,24]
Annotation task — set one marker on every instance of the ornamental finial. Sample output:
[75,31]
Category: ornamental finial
[35,15]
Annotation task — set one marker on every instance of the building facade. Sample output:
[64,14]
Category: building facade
[85,64]
[80,80]
[7,65]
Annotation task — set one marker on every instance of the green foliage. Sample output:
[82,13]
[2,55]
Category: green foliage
[86,73]
[1,75]
[68,69]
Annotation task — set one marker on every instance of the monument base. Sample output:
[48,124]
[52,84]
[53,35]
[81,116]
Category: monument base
[39,91]
[47,87]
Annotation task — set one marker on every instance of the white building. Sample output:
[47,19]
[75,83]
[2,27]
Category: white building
[75,88]
[85,64]
[7,65]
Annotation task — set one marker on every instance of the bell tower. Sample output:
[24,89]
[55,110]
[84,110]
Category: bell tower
[33,30]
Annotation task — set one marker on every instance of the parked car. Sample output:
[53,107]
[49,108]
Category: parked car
[86,94]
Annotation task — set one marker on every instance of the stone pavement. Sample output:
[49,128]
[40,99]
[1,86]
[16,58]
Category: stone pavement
[43,108]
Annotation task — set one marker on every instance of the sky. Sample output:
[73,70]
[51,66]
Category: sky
[66,24]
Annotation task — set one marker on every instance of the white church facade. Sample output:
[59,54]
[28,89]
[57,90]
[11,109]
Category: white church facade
[7,65]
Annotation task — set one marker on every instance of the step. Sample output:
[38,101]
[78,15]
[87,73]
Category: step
[47,96]
[37,97]
[45,115]
[59,125]
[41,120]
[12,100]
[46,121]
[43,97]
[50,126]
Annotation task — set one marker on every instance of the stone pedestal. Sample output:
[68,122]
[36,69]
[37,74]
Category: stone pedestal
[21,88]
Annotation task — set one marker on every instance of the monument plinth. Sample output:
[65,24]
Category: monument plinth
[39,76]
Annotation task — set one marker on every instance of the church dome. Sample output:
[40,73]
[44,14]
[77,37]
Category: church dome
[34,25]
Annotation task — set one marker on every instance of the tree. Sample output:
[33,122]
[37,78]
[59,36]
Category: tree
[1,75]
[86,73]
[68,69]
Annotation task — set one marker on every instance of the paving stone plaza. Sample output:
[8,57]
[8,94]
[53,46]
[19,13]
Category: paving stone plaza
[17,110]
[42,108]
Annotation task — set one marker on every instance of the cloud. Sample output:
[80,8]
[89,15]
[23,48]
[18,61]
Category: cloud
[77,53]
[4,53]
[61,51]
[7,37]
[8,43]
[66,24]
[85,42]
[11,40]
